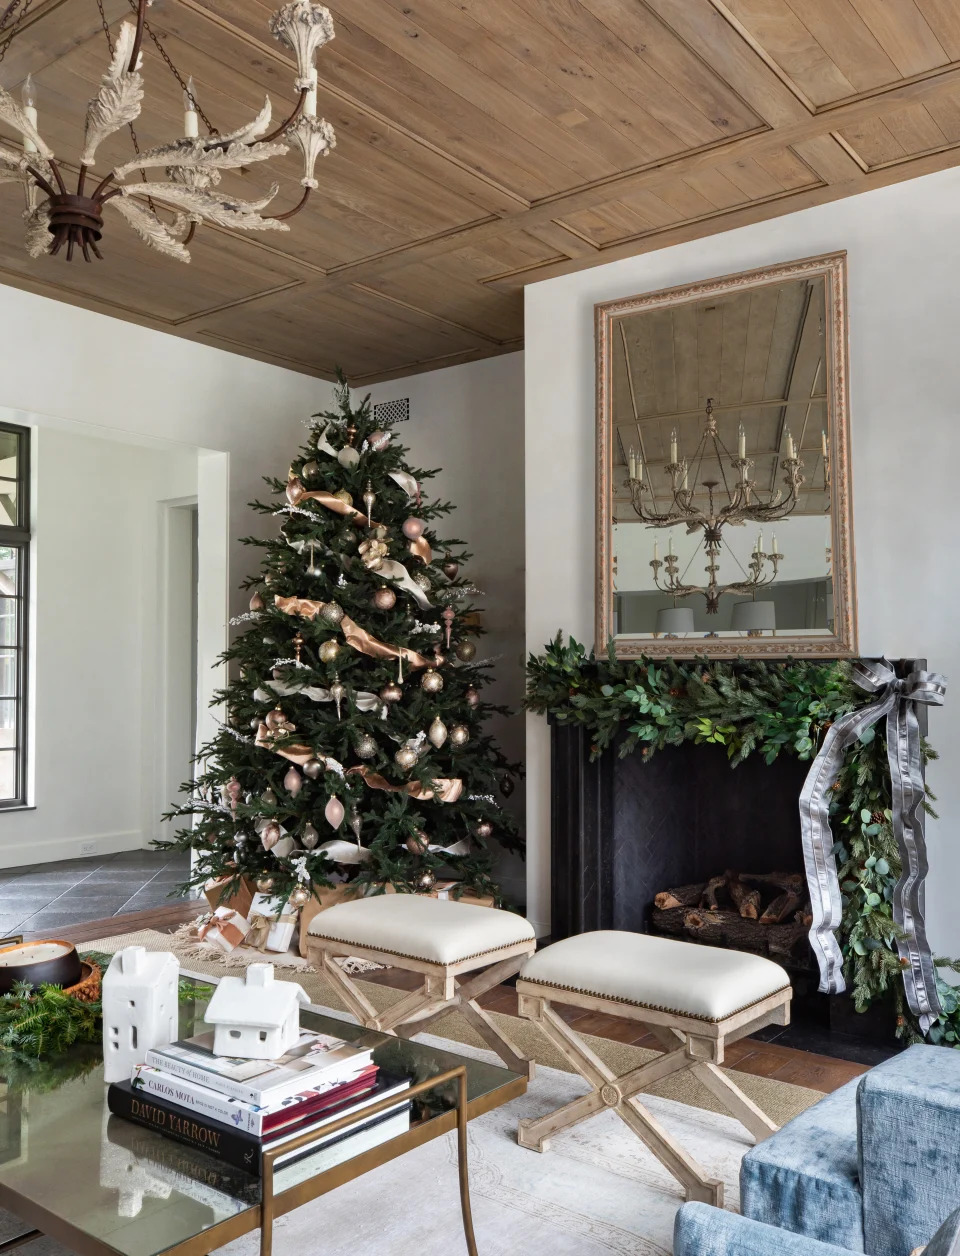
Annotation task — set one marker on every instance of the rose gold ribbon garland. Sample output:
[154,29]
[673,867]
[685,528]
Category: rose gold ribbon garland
[296,494]
[298,753]
[305,607]
[445,788]
[354,635]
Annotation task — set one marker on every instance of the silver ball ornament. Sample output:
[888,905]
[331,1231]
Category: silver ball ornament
[459,735]
[366,747]
[348,457]
[314,769]
[332,613]
[299,896]
[422,579]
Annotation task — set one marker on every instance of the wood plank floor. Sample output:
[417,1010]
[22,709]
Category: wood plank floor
[766,1059]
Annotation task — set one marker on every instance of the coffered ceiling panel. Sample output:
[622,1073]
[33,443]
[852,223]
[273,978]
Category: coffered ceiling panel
[482,145]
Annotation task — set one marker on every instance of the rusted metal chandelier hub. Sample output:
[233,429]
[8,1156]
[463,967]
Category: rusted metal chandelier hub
[76,221]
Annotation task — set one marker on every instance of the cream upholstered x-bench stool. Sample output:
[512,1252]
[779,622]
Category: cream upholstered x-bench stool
[442,940]
[693,998]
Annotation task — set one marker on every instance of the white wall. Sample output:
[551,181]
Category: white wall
[468,421]
[904,275]
[84,374]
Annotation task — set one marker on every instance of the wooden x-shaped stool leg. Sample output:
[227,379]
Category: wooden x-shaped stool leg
[617,1094]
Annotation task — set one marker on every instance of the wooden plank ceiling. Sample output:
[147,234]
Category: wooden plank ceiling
[486,144]
[758,355]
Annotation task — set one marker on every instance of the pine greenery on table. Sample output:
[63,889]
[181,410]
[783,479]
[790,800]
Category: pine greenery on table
[765,708]
[337,764]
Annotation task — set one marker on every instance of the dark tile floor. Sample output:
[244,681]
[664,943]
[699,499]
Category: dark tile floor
[46,896]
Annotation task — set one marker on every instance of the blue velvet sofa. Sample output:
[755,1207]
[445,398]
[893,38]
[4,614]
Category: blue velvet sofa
[874,1168]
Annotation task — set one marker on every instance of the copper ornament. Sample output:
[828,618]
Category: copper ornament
[366,747]
[484,829]
[378,441]
[265,884]
[256,602]
[384,599]
[437,732]
[333,812]
[391,693]
[417,843]
[275,719]
[351,432]
[299,896]
[309,836]
[329,651]
[450,568]
[298,644]
[466,650]
[459,735]
[314,768]
[472,696]
[431,681]
[406,757]
[295,489]
[271,835]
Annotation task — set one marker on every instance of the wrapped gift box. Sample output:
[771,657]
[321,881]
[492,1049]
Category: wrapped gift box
[225,929]
[272,922]
[215,892]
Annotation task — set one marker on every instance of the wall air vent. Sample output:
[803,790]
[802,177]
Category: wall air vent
[396,411]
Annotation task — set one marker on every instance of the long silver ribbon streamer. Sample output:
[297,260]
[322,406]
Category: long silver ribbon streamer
[897,701]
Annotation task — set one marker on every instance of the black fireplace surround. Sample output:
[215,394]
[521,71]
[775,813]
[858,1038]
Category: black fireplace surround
[622,829]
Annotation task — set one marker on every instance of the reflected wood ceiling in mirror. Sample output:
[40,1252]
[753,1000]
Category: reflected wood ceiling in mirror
[757,355]
[486,144]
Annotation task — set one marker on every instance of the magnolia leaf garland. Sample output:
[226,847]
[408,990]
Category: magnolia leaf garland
[119,99]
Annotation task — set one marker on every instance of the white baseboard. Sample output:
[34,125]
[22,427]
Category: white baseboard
[39,854]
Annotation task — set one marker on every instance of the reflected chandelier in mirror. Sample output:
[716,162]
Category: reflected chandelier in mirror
[721,406]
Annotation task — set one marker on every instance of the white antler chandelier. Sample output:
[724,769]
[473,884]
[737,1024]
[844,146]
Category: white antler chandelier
[192,165]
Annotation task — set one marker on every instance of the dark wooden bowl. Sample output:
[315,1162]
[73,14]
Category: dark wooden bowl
[51,961]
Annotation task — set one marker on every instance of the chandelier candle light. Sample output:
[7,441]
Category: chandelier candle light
[192,164]
[742,505]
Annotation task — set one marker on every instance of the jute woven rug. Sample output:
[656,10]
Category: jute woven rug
[780,1100]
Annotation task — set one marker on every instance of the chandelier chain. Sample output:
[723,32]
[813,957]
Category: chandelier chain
[212,130]
[14,19]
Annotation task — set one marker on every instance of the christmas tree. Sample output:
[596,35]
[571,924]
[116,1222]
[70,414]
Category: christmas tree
[353,747]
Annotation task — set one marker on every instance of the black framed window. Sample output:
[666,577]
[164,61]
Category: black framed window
[14,571]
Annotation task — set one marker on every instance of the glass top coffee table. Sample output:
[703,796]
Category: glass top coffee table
[103,1186]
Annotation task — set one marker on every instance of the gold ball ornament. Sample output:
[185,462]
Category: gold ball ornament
[348,457]
[431,681]
[265,884]
[426,881]
[366,747]
[299,896]
[332,613]
[459,735]
[310,468]
[406,758]
[329,651]
[472,696]
[484,829]
[256,602]
[384,599]
[466,650]
[391,693]
[342,495]
[314,769]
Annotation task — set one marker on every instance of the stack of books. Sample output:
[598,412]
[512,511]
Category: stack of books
[235,1109]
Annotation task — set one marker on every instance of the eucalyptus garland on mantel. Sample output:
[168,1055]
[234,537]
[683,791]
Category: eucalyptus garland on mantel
[765,708]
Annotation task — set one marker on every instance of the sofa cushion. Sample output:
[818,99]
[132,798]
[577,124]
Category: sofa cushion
[705,982]
[419,927]
[805,1177]
[909,1134]
[700,1230]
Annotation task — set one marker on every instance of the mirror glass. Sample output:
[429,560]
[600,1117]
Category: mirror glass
[721,448]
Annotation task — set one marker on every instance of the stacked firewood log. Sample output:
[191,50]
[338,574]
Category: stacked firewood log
[768,913]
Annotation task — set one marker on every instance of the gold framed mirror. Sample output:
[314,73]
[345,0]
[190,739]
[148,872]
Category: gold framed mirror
[724,515]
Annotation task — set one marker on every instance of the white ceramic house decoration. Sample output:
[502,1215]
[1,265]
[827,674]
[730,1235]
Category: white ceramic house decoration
[140,1008]
[255,1017]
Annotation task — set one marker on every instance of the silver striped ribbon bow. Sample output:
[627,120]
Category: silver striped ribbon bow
[897,700]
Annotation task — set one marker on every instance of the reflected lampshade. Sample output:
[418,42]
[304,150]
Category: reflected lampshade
[675,619]
[753,617]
